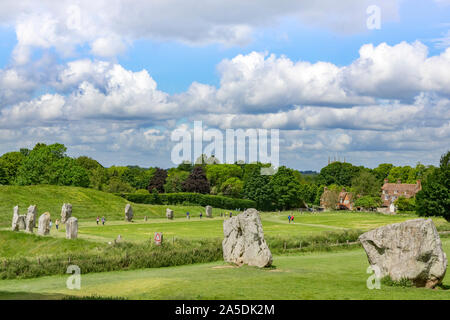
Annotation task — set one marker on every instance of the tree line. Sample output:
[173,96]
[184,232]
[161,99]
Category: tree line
[286,189]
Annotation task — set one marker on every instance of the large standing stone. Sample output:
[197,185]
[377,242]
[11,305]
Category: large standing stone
[66,212]
[30,220]
[15,219]
[72,228]
[408,250]
[44,224]
[244,240]
[169,214]
[208,211]
[128,212]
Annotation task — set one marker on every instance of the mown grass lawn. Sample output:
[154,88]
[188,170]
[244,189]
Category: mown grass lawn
[274,224]
[335,275]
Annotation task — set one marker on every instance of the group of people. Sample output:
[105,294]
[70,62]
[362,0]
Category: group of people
[56,224]
[103,220]
[291,218]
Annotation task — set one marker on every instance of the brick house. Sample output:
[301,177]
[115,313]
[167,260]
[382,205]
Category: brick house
[392,191]
[331,199]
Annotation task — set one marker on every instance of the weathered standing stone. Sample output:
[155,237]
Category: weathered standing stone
[21,222]
[66,212]
[15,219]
[30,220]
[244,240]
[408,250]
[208,211]
[72,228]
[128,212]
[169,214]
[44,224]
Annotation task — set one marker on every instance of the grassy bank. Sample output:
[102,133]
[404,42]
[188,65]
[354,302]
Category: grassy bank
[87,203]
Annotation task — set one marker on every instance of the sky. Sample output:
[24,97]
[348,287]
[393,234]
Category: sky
[114,79]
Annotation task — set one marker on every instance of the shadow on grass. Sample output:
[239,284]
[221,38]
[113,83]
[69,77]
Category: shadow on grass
[443,286]
[6,295]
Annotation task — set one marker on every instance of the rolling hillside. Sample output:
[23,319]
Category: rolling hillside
[87,203]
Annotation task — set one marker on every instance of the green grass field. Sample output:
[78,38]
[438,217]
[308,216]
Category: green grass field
[87,204]
[336,275]
[339,274]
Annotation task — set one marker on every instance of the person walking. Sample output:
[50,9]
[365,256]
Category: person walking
[187,215]
[292,218]
[289,218]
[103,220]
[56,224]
[201,215]
[98,219]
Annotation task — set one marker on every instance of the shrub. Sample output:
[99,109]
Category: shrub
[192,198]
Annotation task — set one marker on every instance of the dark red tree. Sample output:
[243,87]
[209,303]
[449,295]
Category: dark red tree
[157,181]
[197,181]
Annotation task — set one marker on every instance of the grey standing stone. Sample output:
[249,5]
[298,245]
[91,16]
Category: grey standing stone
[44,224]
[409,250]
[169,214]
[30,220]
[72,228]
[21,222]
[66,212]
[128,212]
[208,211]
[244,240]
[15,219]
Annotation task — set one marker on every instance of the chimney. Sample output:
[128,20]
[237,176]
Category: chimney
[386,180]
[419,185]
[399,181]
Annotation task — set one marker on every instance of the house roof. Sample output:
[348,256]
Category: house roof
[400,187]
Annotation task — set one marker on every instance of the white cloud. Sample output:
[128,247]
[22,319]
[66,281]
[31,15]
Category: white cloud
[320,108]
[105,24]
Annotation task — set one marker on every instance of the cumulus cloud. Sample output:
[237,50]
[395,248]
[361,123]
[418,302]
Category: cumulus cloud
[104,25]
[391,99]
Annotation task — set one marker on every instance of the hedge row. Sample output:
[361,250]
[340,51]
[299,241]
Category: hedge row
[190,198]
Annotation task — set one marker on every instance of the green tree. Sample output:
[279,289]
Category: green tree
[116,185]
[217,174]
[66,172]
[232,187]
[406,174]
[286,189]
[368,202]
[382,171]
[308,192]
[366,184]
[405,204]
[257,187]
[338,173]
[3,175]
[36,167]
[434,198]
[11,163]
[175,180]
